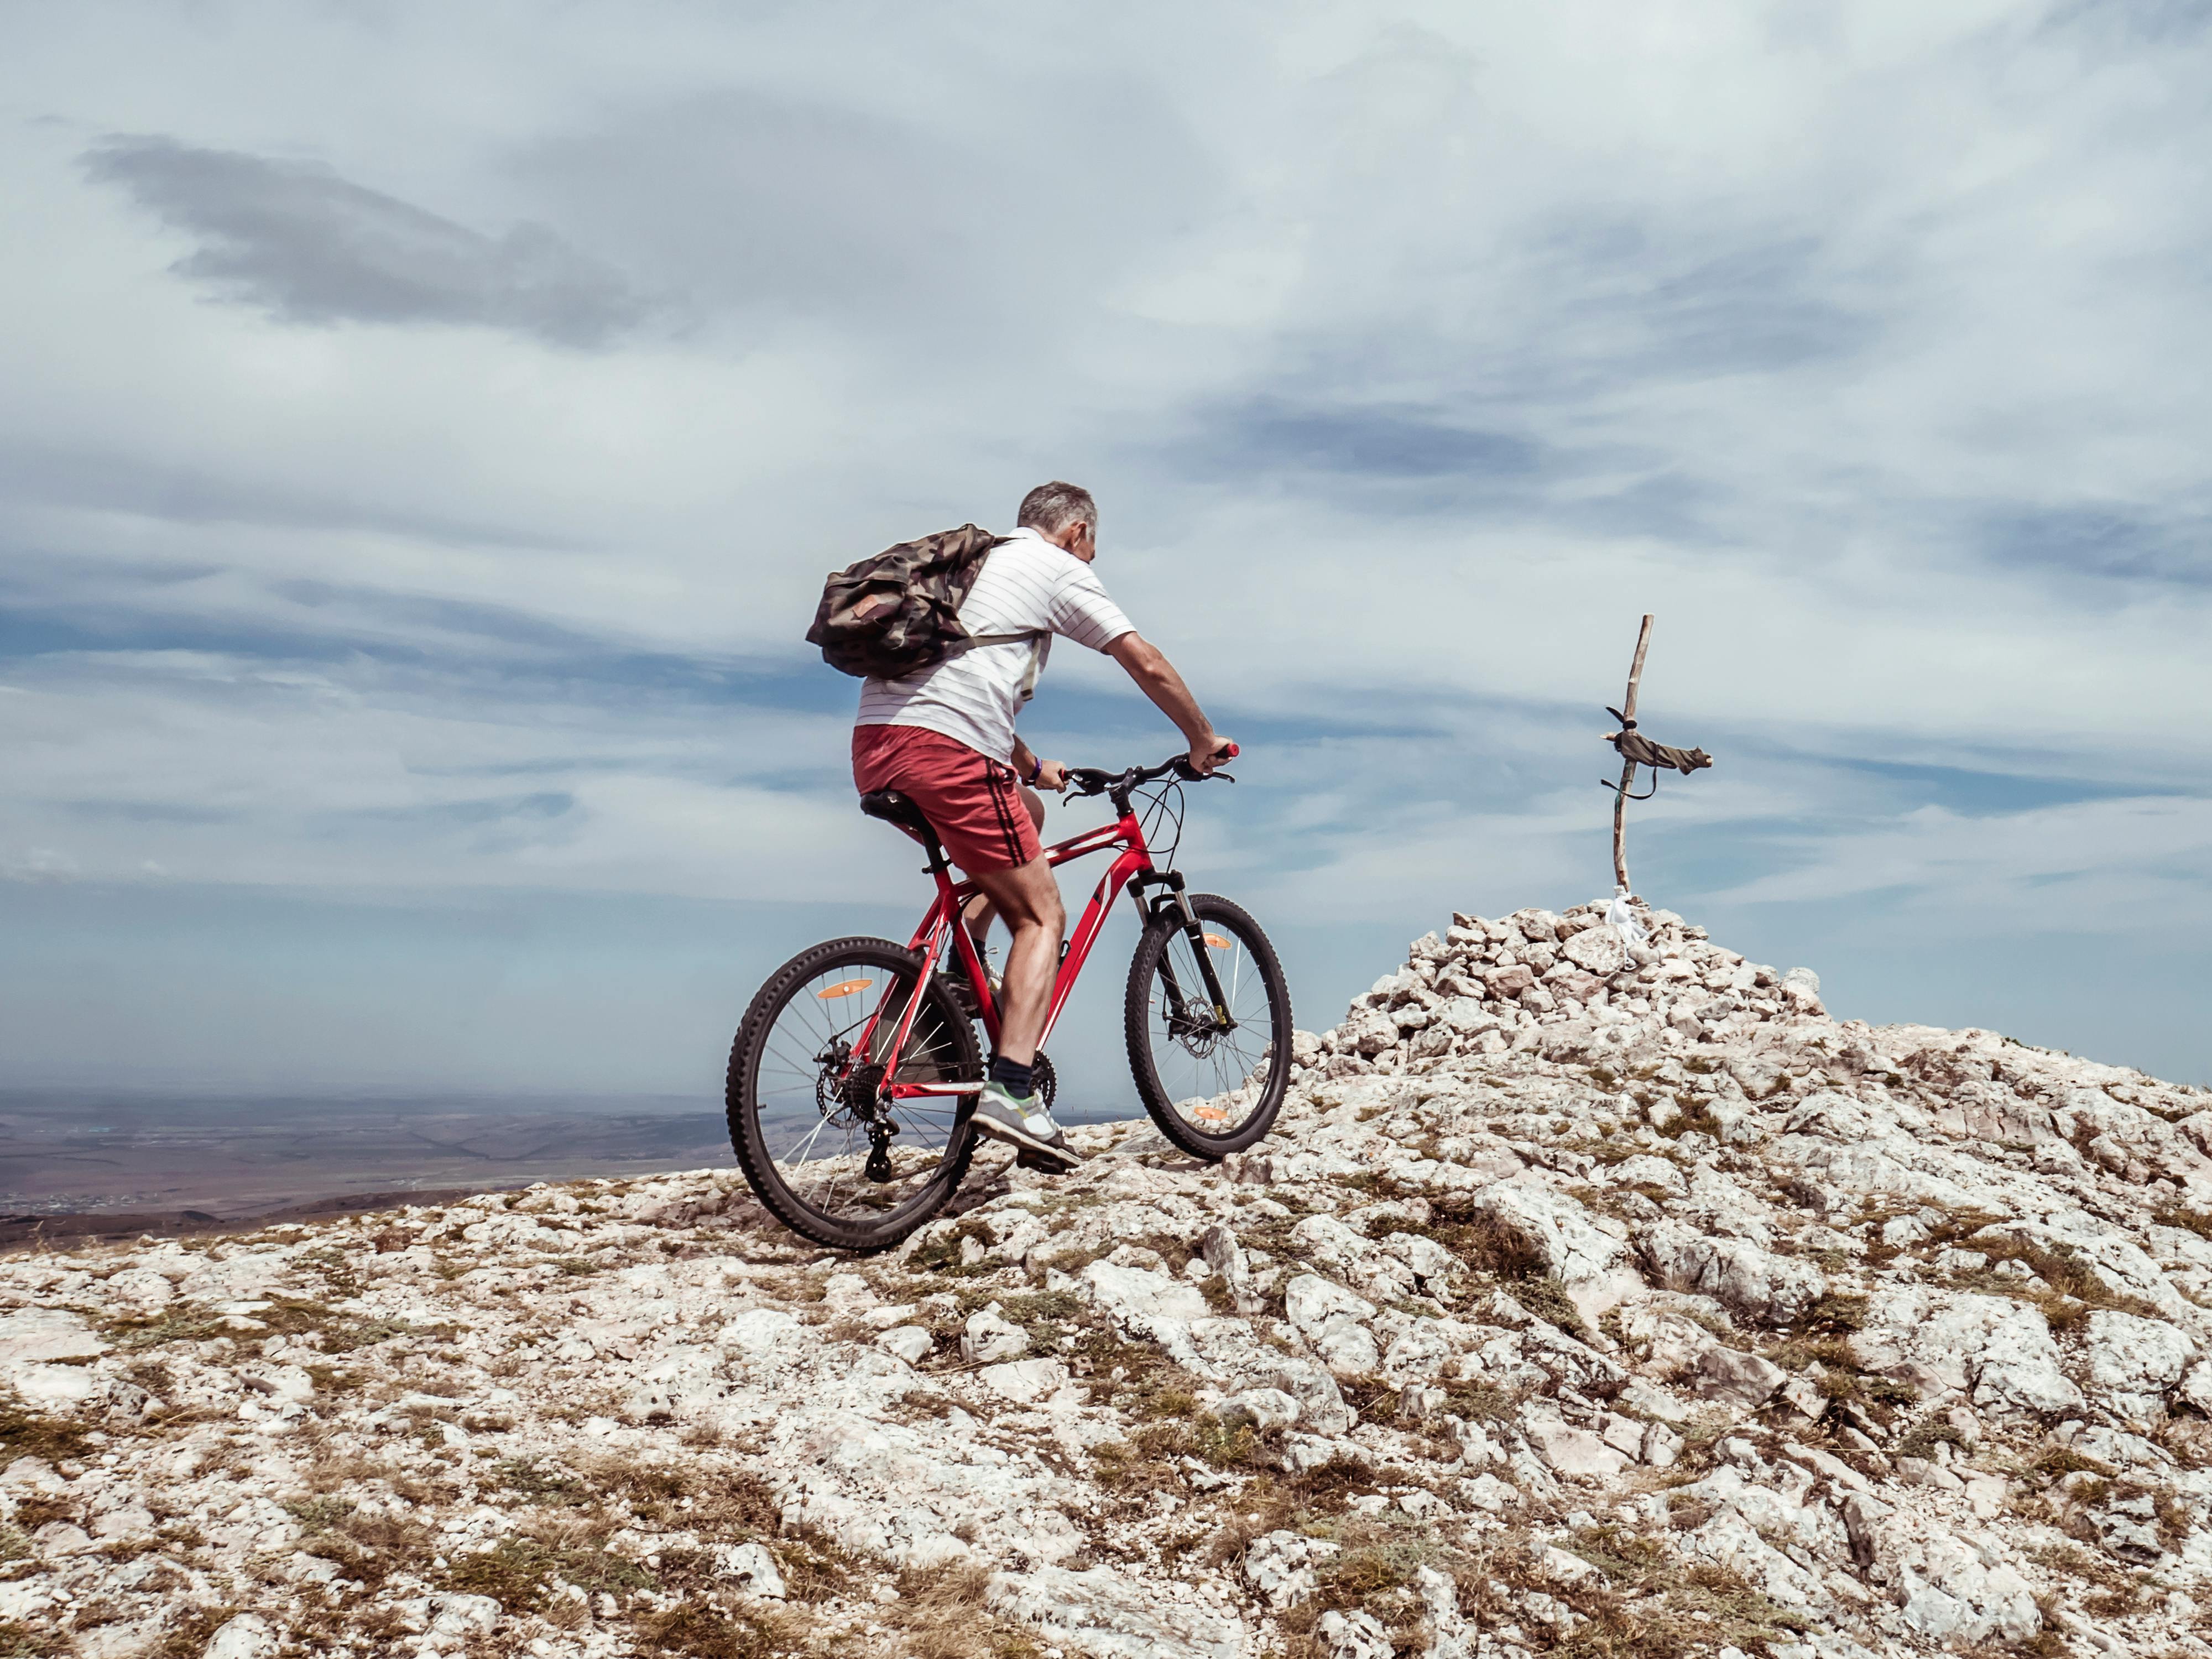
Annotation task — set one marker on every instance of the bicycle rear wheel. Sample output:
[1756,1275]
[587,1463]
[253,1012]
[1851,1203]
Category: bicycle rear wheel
[1212,1086]
[824,1152]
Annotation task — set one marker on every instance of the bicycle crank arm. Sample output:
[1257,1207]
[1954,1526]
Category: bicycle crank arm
[907,1090]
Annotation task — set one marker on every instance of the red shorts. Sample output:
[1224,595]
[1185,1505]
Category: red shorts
[974,803]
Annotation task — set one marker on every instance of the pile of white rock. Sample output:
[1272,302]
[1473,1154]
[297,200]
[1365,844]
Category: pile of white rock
[1592,1294]
[1489,987]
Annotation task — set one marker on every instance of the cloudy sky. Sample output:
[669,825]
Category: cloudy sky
[423,431]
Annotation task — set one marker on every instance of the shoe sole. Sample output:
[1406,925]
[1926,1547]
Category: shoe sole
[1042,1150]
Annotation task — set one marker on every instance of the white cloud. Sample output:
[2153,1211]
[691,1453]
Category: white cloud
[40,865]
[1414,354]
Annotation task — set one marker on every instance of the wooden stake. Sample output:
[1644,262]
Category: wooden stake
[1628,767]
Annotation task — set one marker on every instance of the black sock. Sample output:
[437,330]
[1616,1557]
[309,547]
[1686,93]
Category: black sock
[1019,1080]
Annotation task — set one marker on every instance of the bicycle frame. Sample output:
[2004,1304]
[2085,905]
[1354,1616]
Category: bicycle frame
[941,926]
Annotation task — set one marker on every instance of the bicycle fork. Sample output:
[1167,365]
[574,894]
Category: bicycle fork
[1176,902]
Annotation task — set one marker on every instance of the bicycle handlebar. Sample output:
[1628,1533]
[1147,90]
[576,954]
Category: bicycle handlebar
[1085,781]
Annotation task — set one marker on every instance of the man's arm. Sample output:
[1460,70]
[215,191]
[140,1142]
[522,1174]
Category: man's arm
[1157,678]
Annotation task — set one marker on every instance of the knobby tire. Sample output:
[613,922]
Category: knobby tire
[750,1141]
[1139,1009]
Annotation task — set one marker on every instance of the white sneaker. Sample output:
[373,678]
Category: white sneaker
[1022,1122]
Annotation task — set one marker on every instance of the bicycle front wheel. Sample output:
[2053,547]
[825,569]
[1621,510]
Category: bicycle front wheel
[823,1150]
[1212,1077]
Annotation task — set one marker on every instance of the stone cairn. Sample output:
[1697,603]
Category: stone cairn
[1535,980]
[1590,1297]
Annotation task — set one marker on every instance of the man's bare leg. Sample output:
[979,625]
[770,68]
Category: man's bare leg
[1028,898]
[981,912]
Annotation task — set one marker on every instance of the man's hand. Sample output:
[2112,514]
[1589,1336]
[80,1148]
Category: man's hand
[1209,752]
[1051,775]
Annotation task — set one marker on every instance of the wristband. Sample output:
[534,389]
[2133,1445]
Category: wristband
[1036,770]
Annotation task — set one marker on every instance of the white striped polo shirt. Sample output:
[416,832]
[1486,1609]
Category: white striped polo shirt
[1027,585]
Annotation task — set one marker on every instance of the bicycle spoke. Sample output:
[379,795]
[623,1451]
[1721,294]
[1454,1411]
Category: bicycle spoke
[798,1153]
[810,1090]
[1214,1079]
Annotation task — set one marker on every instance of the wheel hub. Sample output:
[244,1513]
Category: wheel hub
[1194,1026]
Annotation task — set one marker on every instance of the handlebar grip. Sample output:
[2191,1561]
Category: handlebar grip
[1227,751]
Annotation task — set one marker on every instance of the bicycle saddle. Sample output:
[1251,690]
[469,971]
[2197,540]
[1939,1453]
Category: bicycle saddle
[892,807]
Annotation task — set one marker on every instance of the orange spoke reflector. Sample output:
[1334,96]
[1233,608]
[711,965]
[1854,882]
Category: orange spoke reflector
[1210,1113]
[1217,942]
[845,988]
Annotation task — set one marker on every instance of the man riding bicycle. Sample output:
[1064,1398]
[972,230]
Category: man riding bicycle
[945,739]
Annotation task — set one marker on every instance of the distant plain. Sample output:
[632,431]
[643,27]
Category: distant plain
[182,1161]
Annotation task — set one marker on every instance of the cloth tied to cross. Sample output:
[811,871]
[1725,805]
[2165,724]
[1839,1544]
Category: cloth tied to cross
[1632,746]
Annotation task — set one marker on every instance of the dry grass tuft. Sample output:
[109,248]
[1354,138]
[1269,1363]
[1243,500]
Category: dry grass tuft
[27,1433]
[21,1642]
[523,1573]
[700,1631]
[189,1631]
[944,1613]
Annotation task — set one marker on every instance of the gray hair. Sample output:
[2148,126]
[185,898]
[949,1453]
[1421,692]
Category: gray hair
[1051,508]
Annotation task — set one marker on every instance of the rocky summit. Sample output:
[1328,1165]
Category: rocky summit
[1596,1294]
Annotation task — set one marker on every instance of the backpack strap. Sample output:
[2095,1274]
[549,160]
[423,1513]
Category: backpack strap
[1036,636]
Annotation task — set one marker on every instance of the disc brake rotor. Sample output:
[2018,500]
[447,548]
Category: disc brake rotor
[1195,1033]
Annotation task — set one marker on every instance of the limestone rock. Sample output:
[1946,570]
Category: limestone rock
[1280,1566]
[1949,1592]
[1750,1282]
[2132,1360]
[1508,984]
[1348,1350]
[1102,1611]
[1314,1306]
[1446,1628]
[1139,1299]
[1357,1635]
[1741,1379]
[1262,1409]
[2002,1350]
[451,1616]
[751,1569]
[989,1338]
[1573,1451]
[1321,1405]
[1480,1206]
[909,1342]
[1024,1380]
[1219,1248]
[2196,1389]
[38,1335]
[249,1636]
[1554,1226]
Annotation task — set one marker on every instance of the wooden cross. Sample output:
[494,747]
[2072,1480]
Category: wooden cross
[1636,749]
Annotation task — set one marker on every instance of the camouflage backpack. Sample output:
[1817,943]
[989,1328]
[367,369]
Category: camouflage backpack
[898,611]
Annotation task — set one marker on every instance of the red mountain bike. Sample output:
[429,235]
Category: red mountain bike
[854,1077]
